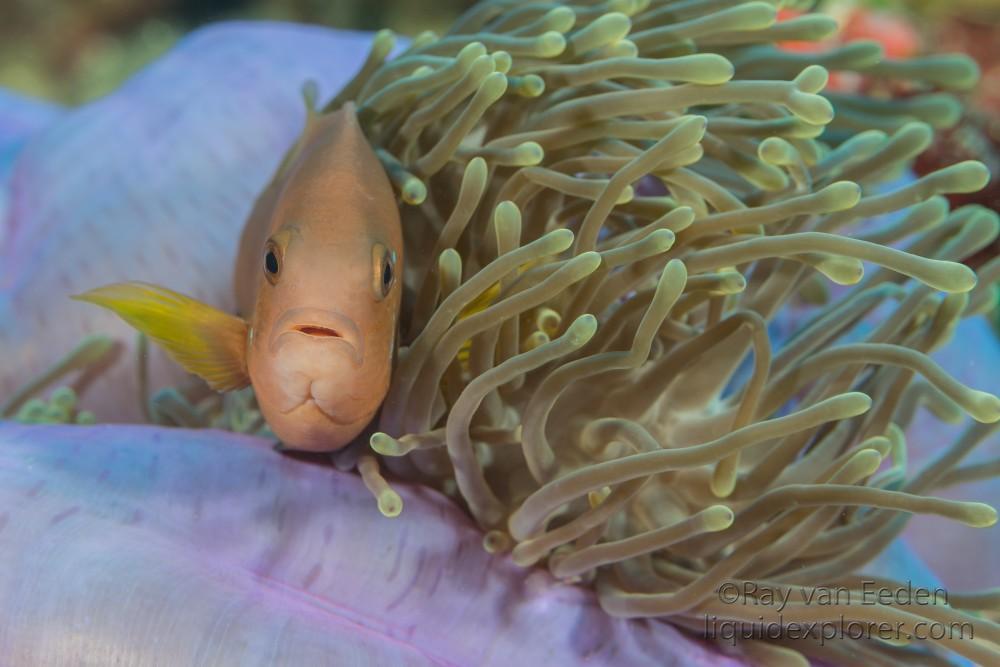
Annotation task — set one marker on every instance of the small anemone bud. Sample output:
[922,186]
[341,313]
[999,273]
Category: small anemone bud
[64,398]
[708,69]
[851,404]
[548,320]
[608,29]
[86,418]
[749,16]
[811,108]
[426,38]
[777,151]
[382,44]
[501,61]
[867,461]
[386,445]
[880,444]
[32,411]
[55,414]
[984,407]
[411,189]
[679,219]
[560,19]
[731,282]
[841,270]
[584,264]
[812,79]
[716,518]
[528,154]
[963,177]
[550,44]
[471,51]
[979,515]
[660,241]
[449,268]
[559,239]
[839,196]
[497,542]
[597,497]
[507,219]
[528,86]
[390,504]
[582,330]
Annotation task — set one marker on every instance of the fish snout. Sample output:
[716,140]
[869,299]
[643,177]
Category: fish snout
[317,326]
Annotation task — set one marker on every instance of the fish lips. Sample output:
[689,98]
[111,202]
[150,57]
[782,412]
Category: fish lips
[318,327]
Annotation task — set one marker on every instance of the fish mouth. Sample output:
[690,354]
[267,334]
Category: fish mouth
[318,326]
[318,331]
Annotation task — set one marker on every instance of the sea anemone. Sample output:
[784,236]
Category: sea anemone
[605,205]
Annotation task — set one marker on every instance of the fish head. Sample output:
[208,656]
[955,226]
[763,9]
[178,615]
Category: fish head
[323,328]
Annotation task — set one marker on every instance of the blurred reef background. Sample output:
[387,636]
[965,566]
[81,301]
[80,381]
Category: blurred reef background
[71,51]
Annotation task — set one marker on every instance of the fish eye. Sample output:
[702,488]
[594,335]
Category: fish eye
[384,265]
[387,276]
[272,263]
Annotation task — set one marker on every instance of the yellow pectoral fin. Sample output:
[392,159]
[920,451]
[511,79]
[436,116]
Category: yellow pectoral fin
[204,340]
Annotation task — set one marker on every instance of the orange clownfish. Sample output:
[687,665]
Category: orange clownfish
[318,290]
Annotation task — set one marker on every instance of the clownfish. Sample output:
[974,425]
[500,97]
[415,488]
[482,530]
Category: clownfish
[318,290]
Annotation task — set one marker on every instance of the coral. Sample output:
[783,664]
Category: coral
[606,204]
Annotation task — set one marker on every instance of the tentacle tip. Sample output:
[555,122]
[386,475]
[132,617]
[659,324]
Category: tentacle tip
[551,44]
[812,79]
[385,445]
[86,418]
[496,542]
[987,408]
[718,518]
[723,483]
[582,330]
[980,515]
[869,460]
[414,192]
[859,403]
[390,504]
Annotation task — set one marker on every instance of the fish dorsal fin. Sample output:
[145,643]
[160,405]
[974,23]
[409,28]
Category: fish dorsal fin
[204,340]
